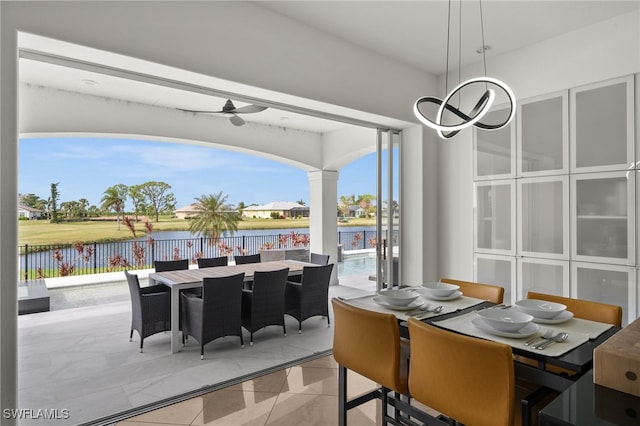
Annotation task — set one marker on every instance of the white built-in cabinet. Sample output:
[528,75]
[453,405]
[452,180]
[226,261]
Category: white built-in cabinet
[556,196]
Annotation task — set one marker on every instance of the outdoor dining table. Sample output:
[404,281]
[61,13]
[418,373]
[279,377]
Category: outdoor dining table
[191,278]
[457,316]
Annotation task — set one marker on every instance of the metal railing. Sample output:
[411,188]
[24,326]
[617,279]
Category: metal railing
[56,260]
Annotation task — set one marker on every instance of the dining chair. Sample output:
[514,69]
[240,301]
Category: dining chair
[539,396]
[368,343]
[492,293]
[467,379]
[264,304]
[170,265]
[319,259]
[217,314]
[250,258]
[150,308]
[310,297]
[209,262]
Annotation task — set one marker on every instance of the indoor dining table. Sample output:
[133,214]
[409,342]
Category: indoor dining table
[191,278]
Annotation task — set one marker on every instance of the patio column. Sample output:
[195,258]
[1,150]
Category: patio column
[323,218]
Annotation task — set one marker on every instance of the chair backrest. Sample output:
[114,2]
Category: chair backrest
[268,291]
[319,259]
[492,293]
[250,258]
[171,265]
[465,378]
[585,309]
[208,262]
[222,296]
[134,287]
[368,343]
[316,278]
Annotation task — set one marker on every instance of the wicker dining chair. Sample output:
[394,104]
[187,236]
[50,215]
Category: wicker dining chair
[310,297]
[150,308]
[264,304]
[209,262]
[171,265]
[250,258]
[319,259]
[217,314]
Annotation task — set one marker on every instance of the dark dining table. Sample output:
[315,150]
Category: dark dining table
[586,403]
[192,278]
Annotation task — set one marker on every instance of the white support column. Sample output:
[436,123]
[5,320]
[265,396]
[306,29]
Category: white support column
[323,220]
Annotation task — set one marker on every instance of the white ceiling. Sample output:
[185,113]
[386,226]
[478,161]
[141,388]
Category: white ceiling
[411,32]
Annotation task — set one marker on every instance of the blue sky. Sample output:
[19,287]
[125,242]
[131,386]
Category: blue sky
[85,167]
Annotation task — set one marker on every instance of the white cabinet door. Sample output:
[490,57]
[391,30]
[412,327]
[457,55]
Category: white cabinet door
[543,217]
[547,276]
[494,150]
[612,284]
[495,219]
[543,135]
[497,270]
[603,217]
[602,126]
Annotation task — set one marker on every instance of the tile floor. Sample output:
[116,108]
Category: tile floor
[305,394]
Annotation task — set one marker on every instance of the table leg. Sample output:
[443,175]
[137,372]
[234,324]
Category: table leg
[175,319]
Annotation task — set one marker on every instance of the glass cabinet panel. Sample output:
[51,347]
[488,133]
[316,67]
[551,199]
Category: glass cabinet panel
[543,135]
[602,126]
[543,217]
[612,284]
[495,217]
[603,226]
[497,270]
[494,150]
[542,276]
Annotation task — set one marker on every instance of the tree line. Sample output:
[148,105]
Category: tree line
[151,198]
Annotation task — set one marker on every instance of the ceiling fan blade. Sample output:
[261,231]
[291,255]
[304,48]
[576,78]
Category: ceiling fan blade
[249,109]
[237,121]
[200,112]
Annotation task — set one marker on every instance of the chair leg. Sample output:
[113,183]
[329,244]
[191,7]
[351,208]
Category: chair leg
[241,340]
[201,352]
[342,396]
[131,336]
[385,405]
[141,343]
[299,327]
[328,321]
[251,338]
[284,328]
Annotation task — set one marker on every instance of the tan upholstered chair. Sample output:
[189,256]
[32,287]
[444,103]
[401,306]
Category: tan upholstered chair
[467,379]
[585,309]
[368,343]
[492,293]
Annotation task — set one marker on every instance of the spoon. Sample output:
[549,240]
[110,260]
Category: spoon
[547,335]
[558,338]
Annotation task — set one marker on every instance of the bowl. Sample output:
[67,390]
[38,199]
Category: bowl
[541,308]
[508,320]
[398,297]
[439,289]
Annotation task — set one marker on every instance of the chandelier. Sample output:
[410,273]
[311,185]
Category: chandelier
[482,106]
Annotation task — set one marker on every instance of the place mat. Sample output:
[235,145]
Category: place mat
[462,324]
[448,306]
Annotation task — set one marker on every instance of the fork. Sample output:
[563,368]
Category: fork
[547,335]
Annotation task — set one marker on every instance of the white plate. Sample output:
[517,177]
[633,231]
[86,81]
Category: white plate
[561,317]
[526,331]
[425,293]
[413,305]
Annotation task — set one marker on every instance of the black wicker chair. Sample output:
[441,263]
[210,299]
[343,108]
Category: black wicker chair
[150,308]
[319,259]
[250,258]
[216,314]
[264,305]
[311,296]
[171,265]
[209,262]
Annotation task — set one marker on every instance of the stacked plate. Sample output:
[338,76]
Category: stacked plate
[545,312]
[440,291]
[505,322]
[398,300]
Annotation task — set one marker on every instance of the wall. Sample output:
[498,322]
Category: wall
[602,51]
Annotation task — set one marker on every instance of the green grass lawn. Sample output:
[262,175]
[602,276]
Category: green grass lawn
[37,232]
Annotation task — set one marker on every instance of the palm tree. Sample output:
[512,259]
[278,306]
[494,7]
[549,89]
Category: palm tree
[114,198]
[213,217]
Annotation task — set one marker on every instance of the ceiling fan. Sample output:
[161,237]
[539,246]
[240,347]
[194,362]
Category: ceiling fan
[231,112]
